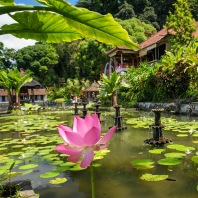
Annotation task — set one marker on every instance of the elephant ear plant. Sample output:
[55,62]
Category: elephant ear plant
[58,21]
[83,140]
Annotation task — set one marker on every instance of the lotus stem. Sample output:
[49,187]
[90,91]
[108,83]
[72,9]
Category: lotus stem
[92,181]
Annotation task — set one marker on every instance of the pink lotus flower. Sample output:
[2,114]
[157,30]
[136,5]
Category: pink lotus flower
[83,140]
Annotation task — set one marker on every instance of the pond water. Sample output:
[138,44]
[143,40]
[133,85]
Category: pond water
[116,177]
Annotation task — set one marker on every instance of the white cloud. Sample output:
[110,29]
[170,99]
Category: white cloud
[10,41]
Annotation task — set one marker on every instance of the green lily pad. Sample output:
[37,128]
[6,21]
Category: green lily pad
[27,172]
[169,161]
[175,155]
[61,169]
[96,165]
[28,166]
[156,151]
[142,162]
[76,168]
[182,135]
[53,163]
[150,177]
[68,164]
[143,167]
[14,153]
[12,174]
[3,148]
[3,171]
[185,148]
[17,146]
[195,159]
[58,181]
[174,146]
[50,174]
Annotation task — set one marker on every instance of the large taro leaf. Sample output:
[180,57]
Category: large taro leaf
[150,177]
[43,26]
[7,2]
[82,22]
[169,161]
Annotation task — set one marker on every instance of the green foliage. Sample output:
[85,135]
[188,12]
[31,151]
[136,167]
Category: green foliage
[181,22]
[6,57]
[59,100]
[72,87]
[177,74]
[66,66]
[125,11]
[58,21]
[139,84]
[149,17]
[109,86]
[39,59]
[137,30]
[90,58]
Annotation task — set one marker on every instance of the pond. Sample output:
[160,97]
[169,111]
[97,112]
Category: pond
[116,177]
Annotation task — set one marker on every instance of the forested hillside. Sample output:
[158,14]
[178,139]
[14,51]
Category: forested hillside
[83,59]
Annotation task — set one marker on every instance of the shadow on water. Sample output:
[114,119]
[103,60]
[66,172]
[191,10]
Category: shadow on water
[116,177]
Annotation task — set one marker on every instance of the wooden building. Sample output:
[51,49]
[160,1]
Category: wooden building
[150,50]
[91,92]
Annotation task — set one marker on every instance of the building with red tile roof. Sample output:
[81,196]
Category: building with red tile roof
[150,50]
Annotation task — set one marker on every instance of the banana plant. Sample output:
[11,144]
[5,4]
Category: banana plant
[59,21]
[18,81]
[7,84]
[109,86]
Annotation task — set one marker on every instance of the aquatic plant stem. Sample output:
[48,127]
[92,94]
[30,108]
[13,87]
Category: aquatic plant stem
[92,181]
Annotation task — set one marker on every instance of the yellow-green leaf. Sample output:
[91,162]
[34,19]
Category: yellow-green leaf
[41,26]
[94,25]
[7,2]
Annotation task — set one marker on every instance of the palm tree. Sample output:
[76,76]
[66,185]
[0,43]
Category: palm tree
[110,86]
[18,81]
[7,84]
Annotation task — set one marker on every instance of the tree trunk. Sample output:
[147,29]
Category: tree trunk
[17,101]
[10,99]
[115,99]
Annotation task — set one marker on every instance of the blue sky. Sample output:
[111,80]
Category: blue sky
[32,2]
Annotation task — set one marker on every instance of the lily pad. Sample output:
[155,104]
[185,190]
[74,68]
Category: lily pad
[175,155]
[195,159]
[15,153]
[169,161]
[96,165]
[50,174]
[12,174]
[156,151]
[28,166]
[150,177]
[68,164]
[143,167]
[182,135]
[142,162]
[61,169]
[58,181]
[27,172]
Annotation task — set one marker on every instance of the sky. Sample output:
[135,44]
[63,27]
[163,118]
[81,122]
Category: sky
[10,41]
